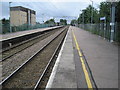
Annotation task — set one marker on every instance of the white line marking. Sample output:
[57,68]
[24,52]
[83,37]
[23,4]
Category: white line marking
[50,81]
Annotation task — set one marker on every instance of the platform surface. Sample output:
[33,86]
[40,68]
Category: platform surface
[100,55]
[65,75]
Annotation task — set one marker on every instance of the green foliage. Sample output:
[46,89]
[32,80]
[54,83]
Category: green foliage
[118,12]
[97,26]
[73,22]
[86,15]
[51,21]
[96,16]
[63,22]
[105,10]
[5,26]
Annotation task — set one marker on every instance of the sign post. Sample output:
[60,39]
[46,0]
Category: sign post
[104,19]
[112,24]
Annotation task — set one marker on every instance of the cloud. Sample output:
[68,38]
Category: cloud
[51,1]
[50,8]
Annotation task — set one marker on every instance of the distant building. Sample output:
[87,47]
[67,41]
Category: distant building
[20,15]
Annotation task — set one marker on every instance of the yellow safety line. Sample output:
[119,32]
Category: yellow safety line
[89,84]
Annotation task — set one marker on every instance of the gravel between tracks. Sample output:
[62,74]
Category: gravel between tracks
[27,44]
[8,66]
[28,76]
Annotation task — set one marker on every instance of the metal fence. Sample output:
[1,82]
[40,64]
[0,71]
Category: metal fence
[5,28]
[103,30]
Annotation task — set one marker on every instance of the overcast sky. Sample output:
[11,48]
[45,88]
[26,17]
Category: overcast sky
[46,9]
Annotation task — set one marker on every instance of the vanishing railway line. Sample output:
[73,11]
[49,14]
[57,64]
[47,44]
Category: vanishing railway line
[12,63]
[30,73]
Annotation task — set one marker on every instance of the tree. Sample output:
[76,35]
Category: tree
[51,21]
[63,22]
[118,12]
[5,21]
[73,22]
[5,25]
[118,19]
[86,15]
[105,10]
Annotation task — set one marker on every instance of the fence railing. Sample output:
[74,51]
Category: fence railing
[103,30]
[5,28]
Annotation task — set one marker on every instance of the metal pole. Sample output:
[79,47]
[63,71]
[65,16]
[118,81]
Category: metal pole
[91,12]
[104,27]
[112,22]
[100,29]
[10,17]
[43,18]
[91,15]
[83,19]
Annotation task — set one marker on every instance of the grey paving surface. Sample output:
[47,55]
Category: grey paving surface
[102,57]
[81,82]
[65,76]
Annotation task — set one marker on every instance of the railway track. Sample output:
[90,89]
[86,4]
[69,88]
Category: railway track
[11,64]
[32,71]
[8,43]
[23,45]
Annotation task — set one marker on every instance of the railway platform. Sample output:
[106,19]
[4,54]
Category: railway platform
[11,39]
[63,75]
[85,61]
[22,33]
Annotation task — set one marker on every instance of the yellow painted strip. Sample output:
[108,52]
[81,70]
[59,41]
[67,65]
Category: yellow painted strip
[77,44]
[89,84]
[86,74]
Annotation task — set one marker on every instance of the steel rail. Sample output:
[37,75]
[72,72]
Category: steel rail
[2,82]
[24,43]
[28,36]
[42,32]
[48,65]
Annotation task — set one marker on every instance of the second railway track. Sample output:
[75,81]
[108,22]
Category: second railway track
[28,74]
[23,45]
[12,63]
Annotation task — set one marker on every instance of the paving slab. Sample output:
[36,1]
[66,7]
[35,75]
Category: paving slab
[64,75]
[102,58]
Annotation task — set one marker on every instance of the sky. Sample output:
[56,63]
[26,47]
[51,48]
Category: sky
[47,9]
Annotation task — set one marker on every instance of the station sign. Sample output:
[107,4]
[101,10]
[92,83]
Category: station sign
[102,18]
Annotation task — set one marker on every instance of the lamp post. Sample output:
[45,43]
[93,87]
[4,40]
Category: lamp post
[91,15]
[83,19]
[10,17]
[43,18]
[92,12]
